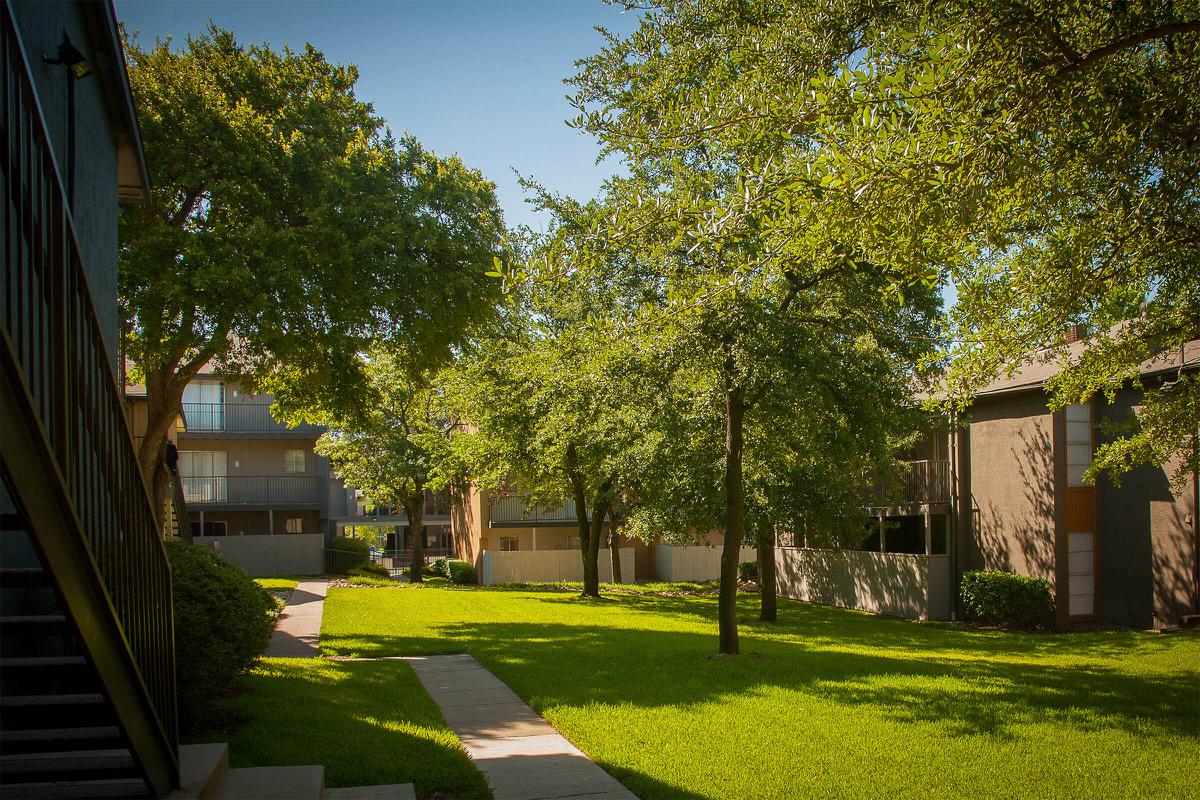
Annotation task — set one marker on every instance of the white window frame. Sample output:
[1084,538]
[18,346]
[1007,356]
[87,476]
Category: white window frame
[289,467]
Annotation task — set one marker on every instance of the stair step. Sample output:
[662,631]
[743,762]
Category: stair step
[50,700]
[106,789]
[56,739]
[43,662]
[70,761]
[274,783]
[33,621]
[23,576]
[202,767]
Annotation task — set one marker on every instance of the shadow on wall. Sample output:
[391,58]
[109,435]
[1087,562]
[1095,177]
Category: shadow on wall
[1023,544]
[896,584]
[1174,558]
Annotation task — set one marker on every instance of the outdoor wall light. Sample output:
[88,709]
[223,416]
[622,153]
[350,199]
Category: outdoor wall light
[74,60]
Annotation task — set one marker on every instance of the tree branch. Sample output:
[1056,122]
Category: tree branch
[1091,58]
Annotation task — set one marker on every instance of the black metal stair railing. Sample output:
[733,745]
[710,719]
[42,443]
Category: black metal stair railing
[65,420]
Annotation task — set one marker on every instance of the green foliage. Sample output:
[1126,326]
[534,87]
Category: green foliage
[1040,158]
[369,570]
[348,554]
[439,567]
[1002,598]
[289,231]
[748,571]
[223,621]
[461,572]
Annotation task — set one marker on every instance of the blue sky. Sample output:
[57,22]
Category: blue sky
[480,78]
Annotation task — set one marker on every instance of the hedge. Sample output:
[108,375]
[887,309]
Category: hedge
[1002,598]
[223,622]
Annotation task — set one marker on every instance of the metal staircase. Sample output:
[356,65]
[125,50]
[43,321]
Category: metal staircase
[87,663]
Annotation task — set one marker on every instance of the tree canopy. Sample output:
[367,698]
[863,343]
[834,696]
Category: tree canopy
[289,230]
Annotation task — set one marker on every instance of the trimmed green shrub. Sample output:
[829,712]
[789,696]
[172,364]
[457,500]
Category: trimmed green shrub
[1002,598]
[371,570]
[223,622]
[748,571]
[460,571]
[439,567]
[346,554]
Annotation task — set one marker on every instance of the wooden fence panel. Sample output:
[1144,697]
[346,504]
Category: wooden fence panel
[695,563]
[534,566]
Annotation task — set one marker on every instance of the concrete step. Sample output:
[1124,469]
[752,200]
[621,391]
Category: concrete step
[273,783]
[391,791]
[72,761]
[23,622]
[202,768]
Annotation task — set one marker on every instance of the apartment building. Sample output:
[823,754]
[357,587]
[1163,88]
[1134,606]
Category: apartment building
[1005,491]
[242,472]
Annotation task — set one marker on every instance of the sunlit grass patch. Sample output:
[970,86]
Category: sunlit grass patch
[824,703]
[367,722]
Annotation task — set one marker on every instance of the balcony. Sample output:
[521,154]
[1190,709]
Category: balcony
[914,482]
[250,490]
[237,418]
[511,511]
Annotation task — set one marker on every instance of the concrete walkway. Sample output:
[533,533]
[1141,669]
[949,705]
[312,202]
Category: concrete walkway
[299,627]
[520,754]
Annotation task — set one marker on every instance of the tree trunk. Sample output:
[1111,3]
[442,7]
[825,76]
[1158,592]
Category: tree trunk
[416,529]
[614,548]
[766,573]
[735,521]
[163,398]
[591,557]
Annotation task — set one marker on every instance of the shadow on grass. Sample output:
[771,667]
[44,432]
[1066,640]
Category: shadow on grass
[367,723]
[969,682]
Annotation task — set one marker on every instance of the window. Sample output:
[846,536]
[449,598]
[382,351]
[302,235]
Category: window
[1079,442]
[203,474]
[293,461]
[204,406]
[294,525]
[508,544]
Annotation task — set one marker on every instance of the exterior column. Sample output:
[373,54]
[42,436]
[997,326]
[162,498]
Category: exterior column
[201,522]
[535,538]
[271,521]
[928,532]
[882,534]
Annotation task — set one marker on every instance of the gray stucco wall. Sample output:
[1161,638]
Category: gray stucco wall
[1145,542]
[897,584]
[42,26]
[1012,485]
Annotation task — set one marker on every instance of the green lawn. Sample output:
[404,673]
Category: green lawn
[278,584]
[826,703]
[367,722]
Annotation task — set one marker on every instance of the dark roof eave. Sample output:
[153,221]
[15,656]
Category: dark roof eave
[107,46]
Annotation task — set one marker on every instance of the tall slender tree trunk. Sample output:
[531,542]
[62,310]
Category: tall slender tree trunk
[613,548]
[591,557]
[766,573]
[735,519]
[414,507]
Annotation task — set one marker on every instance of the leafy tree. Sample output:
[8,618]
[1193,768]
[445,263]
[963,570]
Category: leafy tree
[766,309]
[548,396]
[289,231]
[1039,156]
[399,447]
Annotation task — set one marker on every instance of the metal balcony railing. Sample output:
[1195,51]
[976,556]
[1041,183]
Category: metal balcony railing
[238,418]
[202,490]
[512,509]
[913,482]
[66,438]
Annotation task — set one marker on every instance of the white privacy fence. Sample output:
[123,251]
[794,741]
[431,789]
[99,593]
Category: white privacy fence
[267,556]
[533,566]
[695,563]
[898,584]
